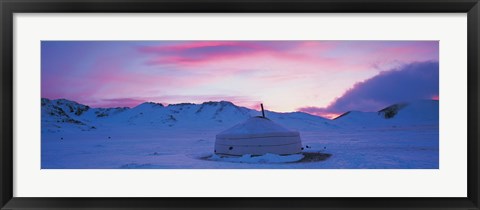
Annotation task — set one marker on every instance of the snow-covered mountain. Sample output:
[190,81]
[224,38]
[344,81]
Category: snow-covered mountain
[62,114]
[422,112]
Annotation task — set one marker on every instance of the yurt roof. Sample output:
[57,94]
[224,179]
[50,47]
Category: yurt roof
[254,127]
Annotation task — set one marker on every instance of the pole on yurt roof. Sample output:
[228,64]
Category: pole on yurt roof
[263,112]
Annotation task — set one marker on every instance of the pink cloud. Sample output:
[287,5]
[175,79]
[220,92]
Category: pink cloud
[322,112]
[195,54]
[303,57]
[186,46]
[119,102]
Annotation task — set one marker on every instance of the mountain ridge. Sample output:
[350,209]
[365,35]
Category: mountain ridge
[64,114]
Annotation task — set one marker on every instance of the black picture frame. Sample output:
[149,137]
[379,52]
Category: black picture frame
[9,7]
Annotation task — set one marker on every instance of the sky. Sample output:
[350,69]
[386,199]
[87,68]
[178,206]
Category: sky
[325,78]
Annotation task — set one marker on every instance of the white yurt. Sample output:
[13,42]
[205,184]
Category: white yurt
[257,136]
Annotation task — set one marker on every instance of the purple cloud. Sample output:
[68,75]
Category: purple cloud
[407,83]
[120,102]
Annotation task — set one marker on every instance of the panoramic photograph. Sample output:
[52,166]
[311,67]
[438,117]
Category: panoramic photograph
[303,104]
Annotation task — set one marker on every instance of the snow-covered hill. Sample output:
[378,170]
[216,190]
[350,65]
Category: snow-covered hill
[422,112]
[61,115]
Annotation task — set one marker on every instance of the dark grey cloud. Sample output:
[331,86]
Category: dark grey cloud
[407,83]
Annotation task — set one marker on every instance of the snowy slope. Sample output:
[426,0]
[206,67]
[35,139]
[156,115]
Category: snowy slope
[62,114]
[422,112]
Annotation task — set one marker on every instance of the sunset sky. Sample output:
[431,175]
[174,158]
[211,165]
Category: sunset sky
[325,78]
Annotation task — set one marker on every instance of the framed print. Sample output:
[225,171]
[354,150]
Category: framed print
[239,105]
